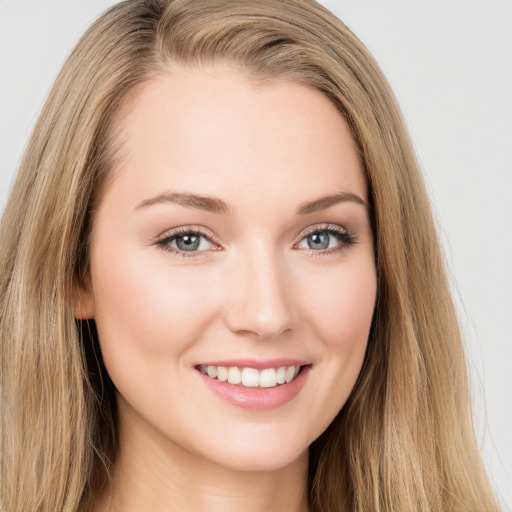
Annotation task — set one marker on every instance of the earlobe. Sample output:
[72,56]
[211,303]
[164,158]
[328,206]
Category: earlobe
[83,299]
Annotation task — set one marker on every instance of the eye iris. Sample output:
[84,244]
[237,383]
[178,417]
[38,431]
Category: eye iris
[318,240]
[188,242]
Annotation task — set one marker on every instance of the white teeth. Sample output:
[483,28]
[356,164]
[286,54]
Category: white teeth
[268,378]
[250,377]
[222,373]
[234,375]
[290,373]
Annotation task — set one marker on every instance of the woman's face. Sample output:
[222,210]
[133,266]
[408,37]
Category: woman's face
[234,240]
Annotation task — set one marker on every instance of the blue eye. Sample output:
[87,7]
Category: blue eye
[325,239]
[191,242]
[186,241]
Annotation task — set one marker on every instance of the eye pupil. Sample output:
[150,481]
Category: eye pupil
[319,240]
[188,242]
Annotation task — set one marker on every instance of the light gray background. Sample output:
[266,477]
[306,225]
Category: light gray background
[450,64]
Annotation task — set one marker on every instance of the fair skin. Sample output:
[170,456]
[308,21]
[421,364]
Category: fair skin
[259,280]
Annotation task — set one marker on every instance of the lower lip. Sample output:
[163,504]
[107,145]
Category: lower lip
[257,399]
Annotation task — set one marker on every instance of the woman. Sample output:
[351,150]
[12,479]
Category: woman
[221,283]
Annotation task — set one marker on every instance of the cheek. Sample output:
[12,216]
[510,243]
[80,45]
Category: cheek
[144,311]
[341,305]
[341,311]
[339,308]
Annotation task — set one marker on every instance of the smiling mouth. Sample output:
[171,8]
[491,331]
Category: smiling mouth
[251,377]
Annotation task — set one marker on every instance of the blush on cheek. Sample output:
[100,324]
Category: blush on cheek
[344,314]
[150,307]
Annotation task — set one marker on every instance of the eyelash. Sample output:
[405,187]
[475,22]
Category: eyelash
[345,238]
[166,240]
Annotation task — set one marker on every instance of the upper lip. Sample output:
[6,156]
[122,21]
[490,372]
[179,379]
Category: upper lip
[257,364]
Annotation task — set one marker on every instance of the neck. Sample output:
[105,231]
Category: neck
[156,474]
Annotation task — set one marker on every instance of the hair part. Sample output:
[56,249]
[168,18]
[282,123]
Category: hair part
[403,441]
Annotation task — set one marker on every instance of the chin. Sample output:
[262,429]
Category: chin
[263,453]
[261,462]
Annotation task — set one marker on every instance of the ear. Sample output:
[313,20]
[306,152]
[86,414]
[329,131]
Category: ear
[83,298]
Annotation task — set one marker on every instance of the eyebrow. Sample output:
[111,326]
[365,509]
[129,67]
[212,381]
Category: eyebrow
[215,205]
[326,202]
[209,204]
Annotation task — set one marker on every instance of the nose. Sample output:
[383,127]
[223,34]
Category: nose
[260,302]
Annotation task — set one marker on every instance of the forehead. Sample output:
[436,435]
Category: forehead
[214,131]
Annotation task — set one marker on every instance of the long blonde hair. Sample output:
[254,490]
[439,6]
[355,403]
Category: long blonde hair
[404,440]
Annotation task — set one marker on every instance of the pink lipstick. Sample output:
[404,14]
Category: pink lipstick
[256,385]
